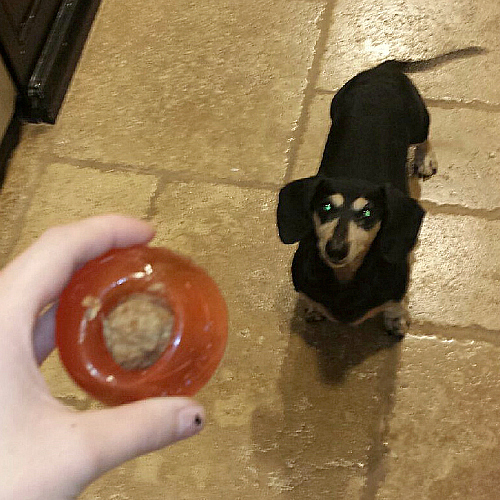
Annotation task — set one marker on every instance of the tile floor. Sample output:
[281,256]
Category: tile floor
[193,115]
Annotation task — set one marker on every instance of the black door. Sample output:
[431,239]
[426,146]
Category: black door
[24,26]
[41,41]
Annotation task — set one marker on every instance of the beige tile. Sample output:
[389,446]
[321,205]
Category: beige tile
[232,232]
[443,437]
[201,484]
[333,401]
[66,193]
[468,153]
[456,274]
[193,87]
[62,386]
[366,33]
[23,173]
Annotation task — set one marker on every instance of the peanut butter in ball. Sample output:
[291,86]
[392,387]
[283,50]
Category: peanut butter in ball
[137,331]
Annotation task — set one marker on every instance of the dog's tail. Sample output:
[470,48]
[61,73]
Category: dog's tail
[426,64]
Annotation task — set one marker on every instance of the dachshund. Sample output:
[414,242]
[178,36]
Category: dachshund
[355,221]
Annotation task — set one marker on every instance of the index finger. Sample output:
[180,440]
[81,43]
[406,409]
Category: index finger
[37,276]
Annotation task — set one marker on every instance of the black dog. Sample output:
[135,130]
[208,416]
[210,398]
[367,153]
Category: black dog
[355,220]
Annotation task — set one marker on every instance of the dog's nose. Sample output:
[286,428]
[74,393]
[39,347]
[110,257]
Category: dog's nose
[337,253]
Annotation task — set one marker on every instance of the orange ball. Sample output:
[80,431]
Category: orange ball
[196,341]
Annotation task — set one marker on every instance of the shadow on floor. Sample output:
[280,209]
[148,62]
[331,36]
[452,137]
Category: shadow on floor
[341,347]
[335,394]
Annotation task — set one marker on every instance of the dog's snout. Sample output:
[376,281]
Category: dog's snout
[337,252]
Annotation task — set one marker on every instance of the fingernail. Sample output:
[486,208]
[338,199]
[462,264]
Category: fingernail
[190,420]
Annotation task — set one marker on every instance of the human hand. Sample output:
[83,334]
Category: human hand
[48,451]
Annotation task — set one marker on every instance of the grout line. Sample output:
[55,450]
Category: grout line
[376,473]
[153,201]
[453,333]
[166,176]
[324,24]
[450,209]
[474,104]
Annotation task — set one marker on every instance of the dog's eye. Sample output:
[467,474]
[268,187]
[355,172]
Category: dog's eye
[365,215]
[326,207]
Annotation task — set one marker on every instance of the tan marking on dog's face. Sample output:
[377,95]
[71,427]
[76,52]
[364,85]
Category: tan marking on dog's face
[324,232]
[360,240]
[337,200]
[359,203]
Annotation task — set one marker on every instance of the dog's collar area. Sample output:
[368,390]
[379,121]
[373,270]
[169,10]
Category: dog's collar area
[348,300]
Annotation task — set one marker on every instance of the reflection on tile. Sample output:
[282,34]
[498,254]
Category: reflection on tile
[443,436]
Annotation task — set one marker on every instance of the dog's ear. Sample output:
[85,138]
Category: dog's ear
[401,224]
[294,209]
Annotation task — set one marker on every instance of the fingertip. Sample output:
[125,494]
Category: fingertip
[125,228]
[125,432]
[191,420]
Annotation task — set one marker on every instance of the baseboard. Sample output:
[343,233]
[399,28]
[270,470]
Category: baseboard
[57,62]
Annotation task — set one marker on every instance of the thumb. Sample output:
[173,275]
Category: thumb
[125,432]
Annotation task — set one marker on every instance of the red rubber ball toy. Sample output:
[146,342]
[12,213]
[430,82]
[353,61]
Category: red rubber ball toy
[196,341]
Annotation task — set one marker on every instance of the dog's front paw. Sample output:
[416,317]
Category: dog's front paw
[396,320]
[427,167]
[312,315]
[313,312]
[422,161]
